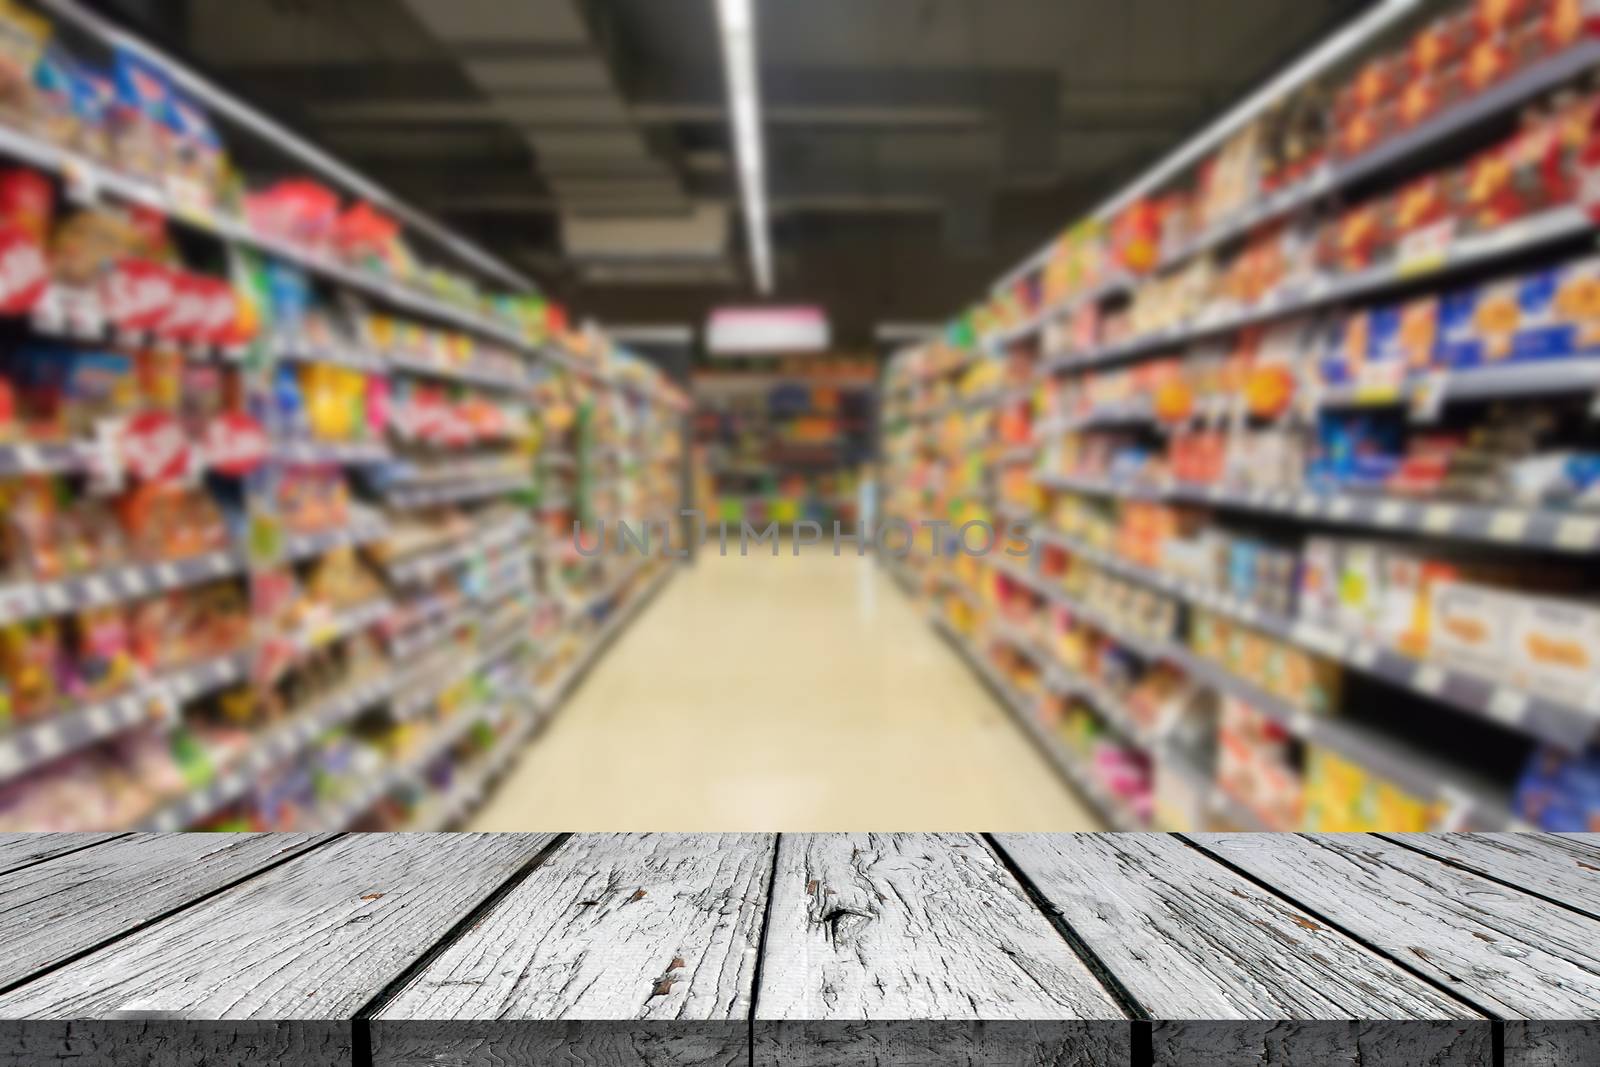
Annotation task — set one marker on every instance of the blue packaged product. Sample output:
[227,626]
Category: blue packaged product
[1560,316]
[1478,325]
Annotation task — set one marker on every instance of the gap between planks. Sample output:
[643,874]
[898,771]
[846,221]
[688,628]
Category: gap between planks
[288,855]
[1494,1017]
[1118,992]
[363,1015]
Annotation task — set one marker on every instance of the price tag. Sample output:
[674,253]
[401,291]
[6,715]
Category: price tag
[133,580]
[1430,679]
[1508,705]
[1578,531]
[1439,518]
[1390,512]
[95,589]
[100,720]
[1508,525]
[1428,395]
[80,181]
[1425,250]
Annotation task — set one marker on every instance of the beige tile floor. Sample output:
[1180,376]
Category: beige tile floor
[781,694]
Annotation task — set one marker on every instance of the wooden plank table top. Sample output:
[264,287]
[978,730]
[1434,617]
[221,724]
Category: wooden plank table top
[1081,950]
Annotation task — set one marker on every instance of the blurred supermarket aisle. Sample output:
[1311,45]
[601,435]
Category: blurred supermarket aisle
[782,694]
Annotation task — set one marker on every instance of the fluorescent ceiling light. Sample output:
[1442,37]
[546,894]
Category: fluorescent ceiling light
[1337,47]
[737,21]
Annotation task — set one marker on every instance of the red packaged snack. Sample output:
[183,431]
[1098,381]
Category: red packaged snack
[1494,16]
[27,201]
[26,205]
[1487,62]
[300,211]
[1419,99]
[1377,81]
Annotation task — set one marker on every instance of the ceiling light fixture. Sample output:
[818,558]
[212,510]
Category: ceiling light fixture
[1336,47]
[736,19]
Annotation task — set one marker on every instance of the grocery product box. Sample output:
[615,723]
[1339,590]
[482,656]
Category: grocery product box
[1470,625]
[1478,325]
[1560,312]
[1555,648]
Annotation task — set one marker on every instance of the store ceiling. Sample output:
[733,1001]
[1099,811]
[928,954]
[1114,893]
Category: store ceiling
[917,148]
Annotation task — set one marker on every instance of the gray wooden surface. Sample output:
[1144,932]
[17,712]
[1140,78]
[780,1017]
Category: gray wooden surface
[1076,950]
[21,850]
[1501,949]
[86,898]
[661,928]
[882,928]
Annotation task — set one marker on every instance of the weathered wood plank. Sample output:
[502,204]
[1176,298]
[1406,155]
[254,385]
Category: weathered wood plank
[588,1043]
[941,1043]
[20,850]
[1250,1043]
[1500,949]
[660,928]
[314,939]
[930,928]
[1564,867]
[1190,939]
[1538,1043]
[73,902]
[174,1043]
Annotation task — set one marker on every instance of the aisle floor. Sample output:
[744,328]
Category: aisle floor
[781,694]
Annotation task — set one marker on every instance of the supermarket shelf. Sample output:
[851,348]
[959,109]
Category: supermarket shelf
[1333,177]
[429,563]
[418,690]
[24,458]
[1472,802]
[155,701]
[1216,798]
[427,496]
[1541,378]
[278,745]
[321,453]
[128,582]
[466,795]
[408,769]
[550,696]
[1065,764]
[1570,726]
[1000,340]
[362,531]
[1540,528]
[344,623]
[107,181]
[1476,250]
[467,375]
[287,349]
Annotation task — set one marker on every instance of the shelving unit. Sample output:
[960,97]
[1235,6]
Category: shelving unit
[782,447]
[378,569]
[1159,404]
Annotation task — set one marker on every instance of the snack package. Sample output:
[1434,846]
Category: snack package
[1478,325]
[1560,791]
[1471,625]
[1555,649]
[1560,312]
[142,126]
[23,38]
